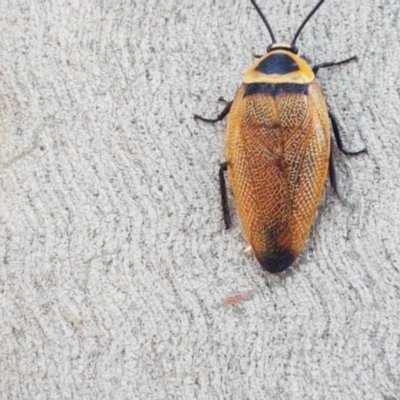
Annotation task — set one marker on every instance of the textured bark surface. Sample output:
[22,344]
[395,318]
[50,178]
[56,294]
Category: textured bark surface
[115,265]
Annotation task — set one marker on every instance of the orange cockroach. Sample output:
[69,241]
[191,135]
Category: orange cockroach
[278,151]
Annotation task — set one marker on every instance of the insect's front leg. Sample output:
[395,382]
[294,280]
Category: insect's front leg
[317,67]
[220,117]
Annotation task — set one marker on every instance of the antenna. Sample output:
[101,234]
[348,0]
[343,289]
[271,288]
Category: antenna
[264,20]
[305,21]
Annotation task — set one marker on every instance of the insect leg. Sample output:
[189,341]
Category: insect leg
[224,197]
[332,173]
[222,100]
[331,64]
[339,139]
[220,117]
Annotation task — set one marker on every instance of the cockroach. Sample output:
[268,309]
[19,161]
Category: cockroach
[279,150]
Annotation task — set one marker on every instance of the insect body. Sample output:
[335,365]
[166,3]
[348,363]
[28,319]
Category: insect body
[278,151]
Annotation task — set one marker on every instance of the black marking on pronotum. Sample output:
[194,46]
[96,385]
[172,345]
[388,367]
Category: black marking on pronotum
[275,89]
[280,64]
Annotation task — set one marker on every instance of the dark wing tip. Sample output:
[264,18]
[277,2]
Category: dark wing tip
[277,261]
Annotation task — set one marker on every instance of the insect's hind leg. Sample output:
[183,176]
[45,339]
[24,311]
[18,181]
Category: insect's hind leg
[317,67]
[339,141]
[332,172]
[220,117]
[224,196]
